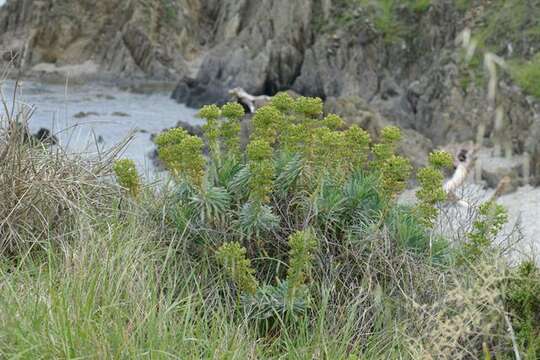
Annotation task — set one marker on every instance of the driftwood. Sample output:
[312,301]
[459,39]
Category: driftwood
[464,160]
[252,102]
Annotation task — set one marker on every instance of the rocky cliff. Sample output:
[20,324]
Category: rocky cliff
[399,61]
[373,61]
[103,38]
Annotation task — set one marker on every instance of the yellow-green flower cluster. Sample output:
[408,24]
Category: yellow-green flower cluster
[308,106]
[211,113]
[233,111]
[230,129]
[394,170]
[441,160]
[295,138]
[386,148]
[356,146]
[267,122]
[219,131]
[431,192]
[261,169]
[334,122]
[232,257]
[126,175]
[182,154]
[302,246]
[395,173]
[283,102]
[327,149]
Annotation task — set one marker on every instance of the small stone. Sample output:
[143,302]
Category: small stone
[120,114]
[83,114]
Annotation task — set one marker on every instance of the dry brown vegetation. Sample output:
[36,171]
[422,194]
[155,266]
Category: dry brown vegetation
[43,189]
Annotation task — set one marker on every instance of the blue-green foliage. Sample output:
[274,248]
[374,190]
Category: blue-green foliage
[307,188]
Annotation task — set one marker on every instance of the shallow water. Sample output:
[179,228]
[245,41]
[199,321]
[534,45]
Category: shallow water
[56,108]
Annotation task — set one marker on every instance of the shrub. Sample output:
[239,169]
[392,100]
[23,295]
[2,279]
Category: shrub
[301,170]
[305,224]
[490,220]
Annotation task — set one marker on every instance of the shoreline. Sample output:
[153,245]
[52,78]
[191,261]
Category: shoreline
[132,84]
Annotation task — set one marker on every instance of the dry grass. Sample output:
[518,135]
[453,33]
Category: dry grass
[42,188]
[468,321]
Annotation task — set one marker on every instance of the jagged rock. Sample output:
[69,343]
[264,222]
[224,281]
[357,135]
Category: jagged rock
[124,38]
[45,136]
[532,148]
[194,94]
[260,49]
[350,69]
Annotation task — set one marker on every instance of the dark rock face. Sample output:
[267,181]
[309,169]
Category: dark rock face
[418,80]
[194,94]
[259,47]
[415,80]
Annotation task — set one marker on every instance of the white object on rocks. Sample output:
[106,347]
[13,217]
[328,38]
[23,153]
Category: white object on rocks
[251,101]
